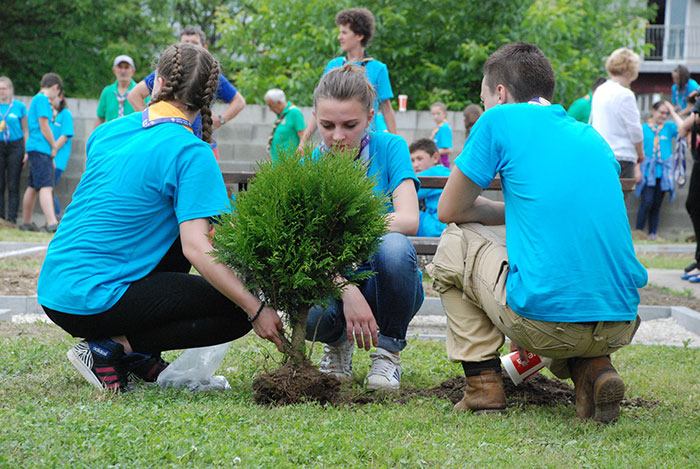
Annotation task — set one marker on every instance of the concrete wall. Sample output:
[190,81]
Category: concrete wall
[242,143]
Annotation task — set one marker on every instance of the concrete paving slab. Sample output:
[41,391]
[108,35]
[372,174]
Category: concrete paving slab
[672,279]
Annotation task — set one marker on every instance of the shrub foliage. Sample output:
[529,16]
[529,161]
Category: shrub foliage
[303,223]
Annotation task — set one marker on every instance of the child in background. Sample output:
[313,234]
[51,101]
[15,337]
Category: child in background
[426,162]
[62,130]
[442,135]
[41,149]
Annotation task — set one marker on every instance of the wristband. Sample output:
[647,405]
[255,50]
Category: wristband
[252,320]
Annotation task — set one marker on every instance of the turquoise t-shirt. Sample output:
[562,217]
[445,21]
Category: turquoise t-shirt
[569,243]
[13,114]
[139,185]
[63,125]
[443,136]
[428,203]
[378,75]
[679,99]
[39,107]
[668,132]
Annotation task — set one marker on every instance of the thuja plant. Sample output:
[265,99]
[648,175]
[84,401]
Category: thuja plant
[303,224]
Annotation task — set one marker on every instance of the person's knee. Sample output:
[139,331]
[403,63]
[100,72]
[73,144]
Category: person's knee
[396,253]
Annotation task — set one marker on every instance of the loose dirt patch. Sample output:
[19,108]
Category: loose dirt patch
[294,384]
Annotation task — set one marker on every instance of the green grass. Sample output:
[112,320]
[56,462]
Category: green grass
[665,261]
[8,234]
[51,417]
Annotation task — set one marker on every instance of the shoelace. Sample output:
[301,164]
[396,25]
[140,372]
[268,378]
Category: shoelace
[383,365]
[334,358]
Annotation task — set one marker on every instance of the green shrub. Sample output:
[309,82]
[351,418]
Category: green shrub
[303,223]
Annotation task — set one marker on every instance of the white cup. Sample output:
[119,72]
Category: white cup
[519,372]
[403,102]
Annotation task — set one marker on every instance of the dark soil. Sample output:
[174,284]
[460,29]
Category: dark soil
[292,384]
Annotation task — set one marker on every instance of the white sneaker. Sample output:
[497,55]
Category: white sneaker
[338,361]
[385,372]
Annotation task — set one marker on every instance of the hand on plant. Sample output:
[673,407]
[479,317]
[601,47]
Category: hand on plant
[359,320]
[269,326]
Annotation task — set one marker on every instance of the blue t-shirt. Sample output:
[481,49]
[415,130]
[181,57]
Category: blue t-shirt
[39,107]
[13,114]
[378,75]
[428,203]
[62,125]
[569,244]
[443,136]
[139,185]
[681,99]
[225,92]
[668,132]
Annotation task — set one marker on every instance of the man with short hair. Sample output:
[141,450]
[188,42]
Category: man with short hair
[565,284]
[113,100]
[225,92]
[288,126]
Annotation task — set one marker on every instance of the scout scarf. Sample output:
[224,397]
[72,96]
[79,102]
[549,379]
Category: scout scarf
[279,119]
[162,112]
[363,153]
[120,100]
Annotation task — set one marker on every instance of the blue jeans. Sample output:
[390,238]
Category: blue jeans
[394,294]
[650,206]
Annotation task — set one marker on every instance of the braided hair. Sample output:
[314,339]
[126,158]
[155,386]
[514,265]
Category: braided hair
[191,76]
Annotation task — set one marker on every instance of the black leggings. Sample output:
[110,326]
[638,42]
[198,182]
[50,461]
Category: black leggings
[166,310]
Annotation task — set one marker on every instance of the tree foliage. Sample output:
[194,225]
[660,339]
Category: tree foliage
[434,49]
[78,39]
[303,223]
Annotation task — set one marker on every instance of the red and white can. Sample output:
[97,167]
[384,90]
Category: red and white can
[519,372]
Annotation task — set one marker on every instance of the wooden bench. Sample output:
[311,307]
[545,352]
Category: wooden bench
[424,245]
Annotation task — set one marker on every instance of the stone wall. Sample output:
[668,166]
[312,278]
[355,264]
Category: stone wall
[242,143]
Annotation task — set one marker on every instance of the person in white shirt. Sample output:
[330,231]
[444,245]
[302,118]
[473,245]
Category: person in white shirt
[614,112]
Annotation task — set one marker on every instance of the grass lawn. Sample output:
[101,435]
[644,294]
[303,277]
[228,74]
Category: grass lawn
[51,417]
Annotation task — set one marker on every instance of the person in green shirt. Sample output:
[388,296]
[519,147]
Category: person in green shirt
[581,108]
[289,125]
[113,102]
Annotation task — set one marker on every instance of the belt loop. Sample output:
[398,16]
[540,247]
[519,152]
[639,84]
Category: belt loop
[599,325]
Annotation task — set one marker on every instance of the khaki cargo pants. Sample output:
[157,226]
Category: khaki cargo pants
[470,268]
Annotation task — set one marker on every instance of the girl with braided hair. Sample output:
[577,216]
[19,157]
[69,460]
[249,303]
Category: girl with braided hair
[117,270]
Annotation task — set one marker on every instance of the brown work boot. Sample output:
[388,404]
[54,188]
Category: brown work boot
[598,388]
[484,393]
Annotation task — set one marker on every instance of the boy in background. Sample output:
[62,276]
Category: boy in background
[425,158]
[41,149]
[442,135]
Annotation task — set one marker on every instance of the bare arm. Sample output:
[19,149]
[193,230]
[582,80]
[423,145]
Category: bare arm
[98,122]
[405,218]
[460,202]
[60,142]
[196,247]
[639,146]
[687,124]
[25,128]
[46,132]
[389,116]
[137,96]
[686,110]
[306,134]
[232,110]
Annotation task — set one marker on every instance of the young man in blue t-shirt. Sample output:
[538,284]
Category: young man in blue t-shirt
[41,149]
[565,285]
[425,158]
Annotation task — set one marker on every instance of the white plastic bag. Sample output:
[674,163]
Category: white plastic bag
[195,370]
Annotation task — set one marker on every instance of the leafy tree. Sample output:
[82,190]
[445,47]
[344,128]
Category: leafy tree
[78,39]
[303,223]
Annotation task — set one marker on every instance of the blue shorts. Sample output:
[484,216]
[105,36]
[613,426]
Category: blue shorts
[41,170]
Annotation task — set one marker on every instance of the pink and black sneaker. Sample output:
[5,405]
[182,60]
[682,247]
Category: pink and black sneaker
[100,363]
[143,367]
